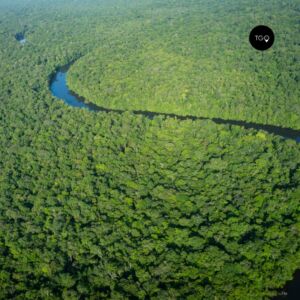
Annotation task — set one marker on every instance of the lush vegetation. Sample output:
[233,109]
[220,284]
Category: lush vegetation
[197,61]
[118,206]
[138,208]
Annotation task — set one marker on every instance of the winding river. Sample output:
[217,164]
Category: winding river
[59,89]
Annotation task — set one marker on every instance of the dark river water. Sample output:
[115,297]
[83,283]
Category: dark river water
[59,89]
[20,37]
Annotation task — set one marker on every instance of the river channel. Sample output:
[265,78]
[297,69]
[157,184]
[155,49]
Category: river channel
[59,89]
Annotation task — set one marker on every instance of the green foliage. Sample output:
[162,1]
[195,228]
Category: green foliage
[207,219]
[118,206]
[195,59]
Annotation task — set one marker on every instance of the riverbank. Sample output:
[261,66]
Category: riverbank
[59,89]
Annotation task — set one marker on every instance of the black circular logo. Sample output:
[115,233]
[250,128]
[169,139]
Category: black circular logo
[261,37]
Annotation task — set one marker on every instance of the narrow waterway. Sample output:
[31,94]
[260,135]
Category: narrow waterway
[20,37]
[59,89]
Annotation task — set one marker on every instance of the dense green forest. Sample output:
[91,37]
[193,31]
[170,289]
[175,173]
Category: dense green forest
[195,59]
[120,206]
